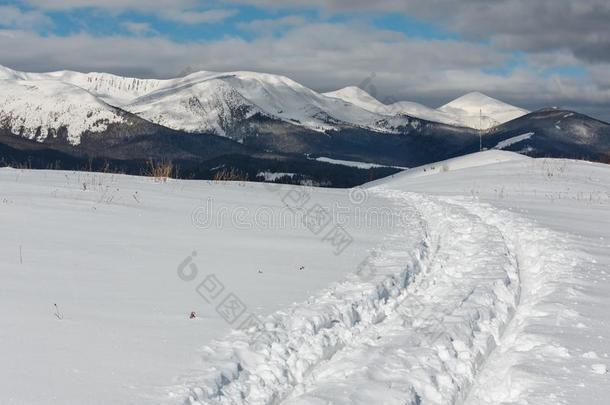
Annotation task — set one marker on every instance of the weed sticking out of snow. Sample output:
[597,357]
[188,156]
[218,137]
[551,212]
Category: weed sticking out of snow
[58,313]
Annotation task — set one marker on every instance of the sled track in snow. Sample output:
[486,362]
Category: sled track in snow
[419,330]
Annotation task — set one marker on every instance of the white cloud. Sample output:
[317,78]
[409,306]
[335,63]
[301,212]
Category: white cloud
[270,25]
[326,57]
[138,28]
[197,17]
[13,17]
[113,4]
[183,11]
[601,76]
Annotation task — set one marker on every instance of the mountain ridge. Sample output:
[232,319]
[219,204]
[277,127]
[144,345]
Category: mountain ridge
[472,110]
[212,101]
[257,122]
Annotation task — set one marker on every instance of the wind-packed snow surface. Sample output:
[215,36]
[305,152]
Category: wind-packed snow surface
[486,283]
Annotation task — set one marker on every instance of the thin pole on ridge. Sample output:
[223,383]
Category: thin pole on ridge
[480,130]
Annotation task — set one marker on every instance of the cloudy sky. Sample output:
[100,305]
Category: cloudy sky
[533,53]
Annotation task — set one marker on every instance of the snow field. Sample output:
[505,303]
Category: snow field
[493,289]
[105,248]
[555,216]
[503,310]
[266,364]
[549,263]
[414,327]
[431,346]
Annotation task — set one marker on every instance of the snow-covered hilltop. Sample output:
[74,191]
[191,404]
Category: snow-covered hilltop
[41,109]
[358,97]
[473,110]
[207,101]
[476,110]
[216,103]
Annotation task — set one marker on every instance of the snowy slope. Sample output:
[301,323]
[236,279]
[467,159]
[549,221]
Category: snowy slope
[113,89]
[207,106]
[459,163]
[39,109]
[423,112]
[211,101]
[477,110]
[502,302]
[473,110]
[487,283]
[556,216]
[6,73]
[358,97]
[514,140]
[351,163]
[217,100]
[362,99]
[106,249]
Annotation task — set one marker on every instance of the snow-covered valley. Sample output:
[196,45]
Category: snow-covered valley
[479,280]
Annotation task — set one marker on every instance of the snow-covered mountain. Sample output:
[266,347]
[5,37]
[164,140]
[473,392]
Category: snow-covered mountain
[553,132]
[362,99]
[358,97]
[114,90]
[476,110]
[6,73]
[473,110]
[207,106]
[218,103]
[208,101]
[43,109]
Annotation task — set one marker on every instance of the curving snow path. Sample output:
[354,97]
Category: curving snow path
[492,289]
[417,326]
[433,344]
[467,304]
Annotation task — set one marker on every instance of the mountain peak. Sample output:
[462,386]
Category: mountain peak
[478,110]
[42,108]
[8,73]
[473,99]
[187,103]
[358,97]
[350,90]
